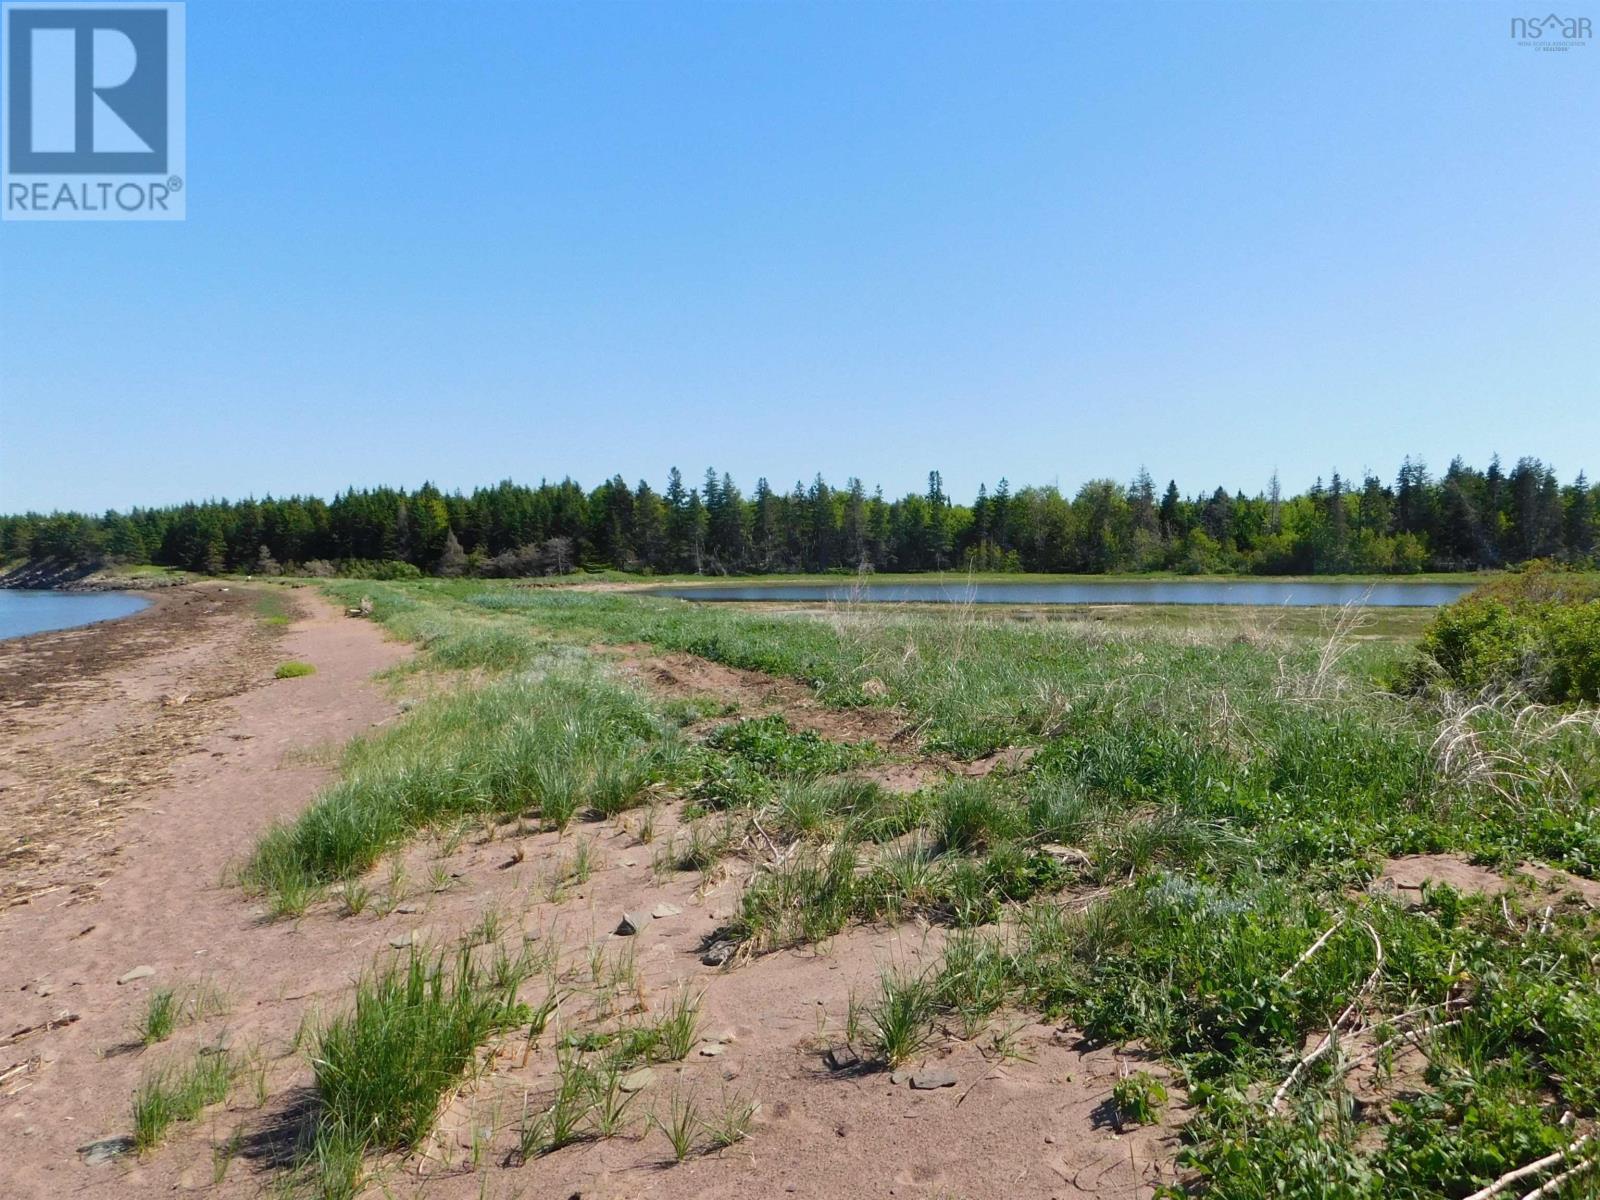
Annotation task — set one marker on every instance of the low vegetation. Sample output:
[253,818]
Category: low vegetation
[411,1034]
[169,1095]
[1535,634]
[294,670]
[1188,859]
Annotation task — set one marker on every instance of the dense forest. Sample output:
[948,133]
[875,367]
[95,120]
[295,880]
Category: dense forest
[1461,520]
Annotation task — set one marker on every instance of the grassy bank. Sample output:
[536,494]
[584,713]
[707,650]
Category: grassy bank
[1185,862]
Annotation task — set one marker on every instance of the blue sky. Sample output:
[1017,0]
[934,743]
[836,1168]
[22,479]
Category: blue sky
[465,240]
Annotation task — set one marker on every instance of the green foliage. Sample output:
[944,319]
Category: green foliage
[548,746]
[1465,519]
[1139,1098]
[414,1028]
[808,898]
[900,1021]
[161,1015]
[1537,633]
[170,1095]
[293,670]
[1184,862]
[771,747]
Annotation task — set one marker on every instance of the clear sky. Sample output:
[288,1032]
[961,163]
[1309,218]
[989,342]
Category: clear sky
[462,241]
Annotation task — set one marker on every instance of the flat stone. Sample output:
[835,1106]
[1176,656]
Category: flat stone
[142,972]
[934,1077]
[408,908]
[710,1050]
[841,1058]
[899,1077]
[105,1150]
[632,923]
[662,911]
[719,952]
[414,937]
[637,1081]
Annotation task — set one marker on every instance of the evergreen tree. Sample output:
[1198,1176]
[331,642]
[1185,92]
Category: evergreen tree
[452,558]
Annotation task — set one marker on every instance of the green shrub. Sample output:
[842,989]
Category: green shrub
[382,569]
[293,670]
[1538,632]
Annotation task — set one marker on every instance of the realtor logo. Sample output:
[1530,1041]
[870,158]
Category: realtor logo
[93,123]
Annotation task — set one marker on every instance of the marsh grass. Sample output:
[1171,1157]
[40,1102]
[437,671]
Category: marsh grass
[1207,804]
[171,1095]
[160,1016]
[169,1008]
[680,1124]
[899,1023]
[732,1121]
[549,745]
[412,1033]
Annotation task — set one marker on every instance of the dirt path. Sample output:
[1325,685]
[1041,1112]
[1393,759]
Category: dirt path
[164,795]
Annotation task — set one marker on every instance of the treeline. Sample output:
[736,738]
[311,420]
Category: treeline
[1461,520]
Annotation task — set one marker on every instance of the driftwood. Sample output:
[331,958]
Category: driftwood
[27,1031]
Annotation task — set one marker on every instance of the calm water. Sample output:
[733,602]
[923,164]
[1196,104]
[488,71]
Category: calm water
[23,612]
[1141,591]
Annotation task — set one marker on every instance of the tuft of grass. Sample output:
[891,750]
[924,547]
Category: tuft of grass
[160,1017]
[731,1123]
[807,898]
[560,1123]
[382,1067]
[680,1124]
[293,670]
[679,1027]
[168,1008]
[900,1021]
[171,1095]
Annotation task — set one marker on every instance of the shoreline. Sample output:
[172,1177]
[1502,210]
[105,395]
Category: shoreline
[144,760]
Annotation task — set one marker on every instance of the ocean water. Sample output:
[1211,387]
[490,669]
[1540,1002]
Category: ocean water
[25,612]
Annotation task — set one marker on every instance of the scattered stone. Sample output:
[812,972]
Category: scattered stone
[105,1150]
[142,972]
[637,1081]
[531,935]
[632,923]
[934,1077]
[408,908]
[45,988]
[415,937]
[841,1058]
[710,1050]
[662,911]
[719,952]
[899,1077]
